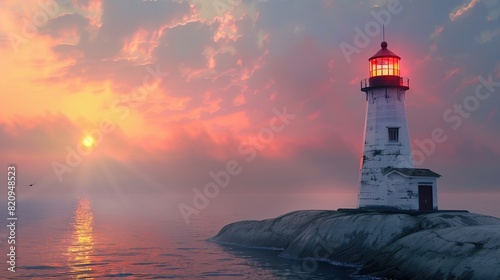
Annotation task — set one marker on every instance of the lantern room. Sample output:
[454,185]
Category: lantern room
[384,63]
[384,71]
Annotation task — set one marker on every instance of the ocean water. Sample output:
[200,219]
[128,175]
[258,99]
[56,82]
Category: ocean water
[145,237]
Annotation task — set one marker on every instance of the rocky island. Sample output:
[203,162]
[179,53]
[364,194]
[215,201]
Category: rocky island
[401,245]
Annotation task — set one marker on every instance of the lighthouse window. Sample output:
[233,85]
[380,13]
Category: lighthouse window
[384,66]
[393,134]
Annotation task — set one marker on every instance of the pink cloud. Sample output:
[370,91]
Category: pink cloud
[437,32]
[463,9]
[450,73]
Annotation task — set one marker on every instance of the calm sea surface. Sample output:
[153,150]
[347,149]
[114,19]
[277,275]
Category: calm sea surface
[145,237]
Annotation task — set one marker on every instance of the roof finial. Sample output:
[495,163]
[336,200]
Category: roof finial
[383,33]
[384,43]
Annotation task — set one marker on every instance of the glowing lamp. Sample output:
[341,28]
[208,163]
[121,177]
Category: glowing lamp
[384,71]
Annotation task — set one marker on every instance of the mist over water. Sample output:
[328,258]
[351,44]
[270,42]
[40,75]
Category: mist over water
[145,237]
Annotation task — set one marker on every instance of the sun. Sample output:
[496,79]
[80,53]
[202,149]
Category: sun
[88,141]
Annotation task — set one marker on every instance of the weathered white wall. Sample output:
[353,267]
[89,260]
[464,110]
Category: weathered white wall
[385,108]
[402,191]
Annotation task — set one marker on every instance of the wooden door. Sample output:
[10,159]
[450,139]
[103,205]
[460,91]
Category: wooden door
[425,198]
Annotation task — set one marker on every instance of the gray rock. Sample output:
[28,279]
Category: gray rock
[471,252]
[350,238]
[274,233]
[442,245]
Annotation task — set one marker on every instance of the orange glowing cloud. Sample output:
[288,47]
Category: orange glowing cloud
[227,28]
[140,46]
[239,100]
[93,11]
[463,9]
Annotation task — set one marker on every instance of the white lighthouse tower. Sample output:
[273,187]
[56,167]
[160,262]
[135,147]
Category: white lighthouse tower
[388,178]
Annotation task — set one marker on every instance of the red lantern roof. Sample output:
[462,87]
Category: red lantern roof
[384,52]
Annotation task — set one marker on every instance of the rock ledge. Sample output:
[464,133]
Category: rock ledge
[439,245]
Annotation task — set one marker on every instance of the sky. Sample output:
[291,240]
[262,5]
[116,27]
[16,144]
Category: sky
[172,91]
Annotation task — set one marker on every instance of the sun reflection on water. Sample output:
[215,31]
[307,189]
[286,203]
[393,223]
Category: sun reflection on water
[81,249]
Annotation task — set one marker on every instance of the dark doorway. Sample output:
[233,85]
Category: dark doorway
[425,202]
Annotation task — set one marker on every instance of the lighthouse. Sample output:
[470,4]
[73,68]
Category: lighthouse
[388,179]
